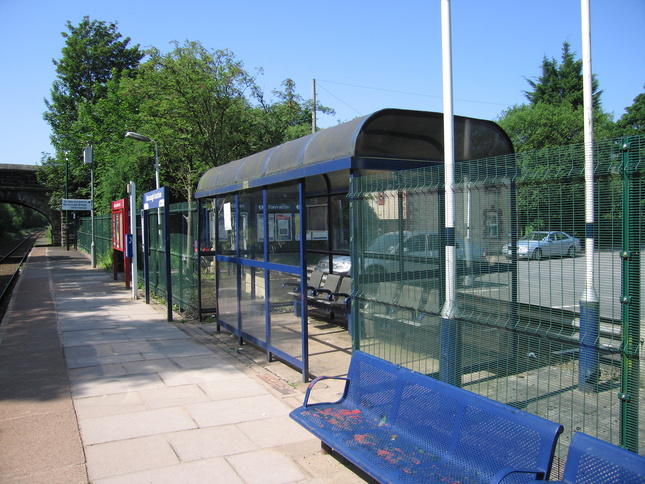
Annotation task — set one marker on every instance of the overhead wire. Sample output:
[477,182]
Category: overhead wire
[399,92]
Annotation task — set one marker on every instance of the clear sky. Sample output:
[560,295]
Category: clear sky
[365,55]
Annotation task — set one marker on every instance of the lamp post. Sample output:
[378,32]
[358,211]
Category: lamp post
[140,137]
[88,158]
[67,196]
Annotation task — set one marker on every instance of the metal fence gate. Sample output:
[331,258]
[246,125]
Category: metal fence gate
[518,334]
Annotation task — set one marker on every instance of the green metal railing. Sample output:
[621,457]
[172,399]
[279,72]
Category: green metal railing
[518,332]
[183,254]
[102,236]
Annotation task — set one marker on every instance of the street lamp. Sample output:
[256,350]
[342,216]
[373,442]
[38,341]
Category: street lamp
[88,158]
[140,137]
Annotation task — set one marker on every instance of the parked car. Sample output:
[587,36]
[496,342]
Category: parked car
[417,251]
[342,264]
[539,244]
[420,251]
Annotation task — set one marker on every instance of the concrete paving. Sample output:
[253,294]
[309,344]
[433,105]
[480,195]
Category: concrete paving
[98,387]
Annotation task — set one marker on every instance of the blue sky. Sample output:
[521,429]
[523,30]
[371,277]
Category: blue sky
[365,55]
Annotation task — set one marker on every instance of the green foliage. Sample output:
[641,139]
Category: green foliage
[542,125]
[561,83]
[94,55]
[104,261]
[16,218]
[555,115]
[193,102]
[200,106]
[632,123]
[288,118]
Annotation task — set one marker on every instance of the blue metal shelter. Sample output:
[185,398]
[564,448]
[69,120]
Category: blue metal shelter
[266,220]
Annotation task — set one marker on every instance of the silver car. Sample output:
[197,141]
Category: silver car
[342,265]
[416,251]
[539,244]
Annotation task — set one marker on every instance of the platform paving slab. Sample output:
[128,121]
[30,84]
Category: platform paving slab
[119,395]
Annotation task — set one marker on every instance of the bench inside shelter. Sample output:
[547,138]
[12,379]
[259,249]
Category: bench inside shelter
[327,292]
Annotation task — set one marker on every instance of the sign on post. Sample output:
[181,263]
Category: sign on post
[157,199]
[154,199]
[76,204]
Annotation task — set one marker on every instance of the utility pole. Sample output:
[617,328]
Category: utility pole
[313,106]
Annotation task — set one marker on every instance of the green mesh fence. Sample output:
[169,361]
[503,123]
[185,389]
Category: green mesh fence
[183,255]
[102,235]
[521,265]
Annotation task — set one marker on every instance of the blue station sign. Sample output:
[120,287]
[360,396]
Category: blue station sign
[154,199]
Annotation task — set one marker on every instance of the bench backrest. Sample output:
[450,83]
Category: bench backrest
[331,282]
[592,460]
[315,279]
[457,423]
[345,286]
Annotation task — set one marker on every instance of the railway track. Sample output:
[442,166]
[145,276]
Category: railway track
[10,265]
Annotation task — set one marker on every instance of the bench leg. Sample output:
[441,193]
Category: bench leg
[324,448]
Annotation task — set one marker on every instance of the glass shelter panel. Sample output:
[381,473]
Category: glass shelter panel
[252,299]
[227,293]
[285,311]
[340,223]
[207,260]
[226,225]
[283,225]
[317,229]
[252,225]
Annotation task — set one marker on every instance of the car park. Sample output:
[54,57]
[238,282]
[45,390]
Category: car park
[538,244]
[411,251]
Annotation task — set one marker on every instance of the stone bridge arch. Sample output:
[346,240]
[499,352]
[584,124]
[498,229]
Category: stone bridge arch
[19,185]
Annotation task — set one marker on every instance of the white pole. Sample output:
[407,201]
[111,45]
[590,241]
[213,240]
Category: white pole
[133,232]
[450,363]
[589,302]
[313,106]
[449,158]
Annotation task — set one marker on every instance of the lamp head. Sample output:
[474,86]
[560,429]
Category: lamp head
[137,136]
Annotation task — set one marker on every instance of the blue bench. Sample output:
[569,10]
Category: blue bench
[401,426]
[591,460]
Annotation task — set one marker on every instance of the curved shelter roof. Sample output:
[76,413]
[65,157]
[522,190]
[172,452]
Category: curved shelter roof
[381,140]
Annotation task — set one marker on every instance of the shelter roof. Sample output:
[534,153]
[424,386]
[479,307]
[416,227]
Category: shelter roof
[390,134]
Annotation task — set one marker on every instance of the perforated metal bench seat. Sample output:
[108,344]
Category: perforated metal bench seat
[591,460]
[401,426]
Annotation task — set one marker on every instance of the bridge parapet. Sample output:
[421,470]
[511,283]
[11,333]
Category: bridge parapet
[19,185]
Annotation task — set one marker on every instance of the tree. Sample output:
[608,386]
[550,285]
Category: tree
[554,115]
[288,118]
[561,83]
[94,54]
[543,125]
[192,101]
[632,123]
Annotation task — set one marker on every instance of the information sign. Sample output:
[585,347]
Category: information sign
[154,199]
[74,204]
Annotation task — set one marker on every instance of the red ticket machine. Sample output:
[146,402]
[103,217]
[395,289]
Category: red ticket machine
[120,231]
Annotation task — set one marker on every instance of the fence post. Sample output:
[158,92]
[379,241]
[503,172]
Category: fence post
[631,301]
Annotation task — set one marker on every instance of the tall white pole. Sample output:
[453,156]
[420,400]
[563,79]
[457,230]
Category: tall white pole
[589,302]
[133,232]
[313,106]
[450,366]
